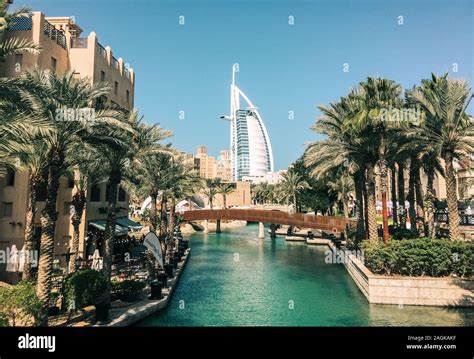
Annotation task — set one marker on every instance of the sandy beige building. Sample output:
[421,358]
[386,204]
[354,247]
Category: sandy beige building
[241,196]
[63,50]
[224,166]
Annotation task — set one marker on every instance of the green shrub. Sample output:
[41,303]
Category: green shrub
[128,290]
[403,233]
[19,305]
[420,257]
[83,288]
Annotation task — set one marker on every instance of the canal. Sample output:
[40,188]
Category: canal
[234,279]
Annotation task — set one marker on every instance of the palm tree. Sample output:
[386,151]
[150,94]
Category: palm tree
[182,181]
[119,144]
[33,160]
[446,126]
[292,183]
[12,45]
[86,171]
[147,180]
[377,95]
[48,96]
[348,144]
[225,189]
[342,183]
[210,192]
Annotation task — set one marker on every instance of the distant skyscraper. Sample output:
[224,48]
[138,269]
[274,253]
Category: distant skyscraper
[250,147]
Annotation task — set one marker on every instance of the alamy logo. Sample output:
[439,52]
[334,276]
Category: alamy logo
[37,342]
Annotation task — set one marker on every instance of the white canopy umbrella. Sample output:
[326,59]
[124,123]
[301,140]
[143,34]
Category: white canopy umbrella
[96,261]
[13,260]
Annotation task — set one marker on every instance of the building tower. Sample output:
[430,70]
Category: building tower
[250,147]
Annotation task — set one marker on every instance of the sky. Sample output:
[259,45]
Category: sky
[291,56]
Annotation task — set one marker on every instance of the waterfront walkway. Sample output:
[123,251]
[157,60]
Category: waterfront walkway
[123,314]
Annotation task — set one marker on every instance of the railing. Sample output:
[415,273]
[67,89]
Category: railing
[54,34]
[326,223]
[21,24]
[79,43]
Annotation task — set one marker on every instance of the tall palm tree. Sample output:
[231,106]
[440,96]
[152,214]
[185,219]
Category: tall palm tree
[292,183]
[48,96]
[86,171]
[11,45]
[34,162]
[348,144]
[446,126]
[210,192]
[120,143]
[377,95]
[225,189]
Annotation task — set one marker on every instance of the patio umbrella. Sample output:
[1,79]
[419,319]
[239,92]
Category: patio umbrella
[13,260]
[96,260]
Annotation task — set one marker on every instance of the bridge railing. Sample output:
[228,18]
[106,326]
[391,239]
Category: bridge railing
[267,216]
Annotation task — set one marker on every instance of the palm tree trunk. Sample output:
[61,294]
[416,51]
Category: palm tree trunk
[79,202]
[430,205]
[48,226]
[365,206]
[419,202]
[153,213]
[452,198]
[170,243]
[358,183]
[371,205]
[172,216]
[109,235]
[384,185]
[224,200]
[163,222]
[411,196]
[401,194]
[393,172]
[345,206]
[30,224]
[294,202]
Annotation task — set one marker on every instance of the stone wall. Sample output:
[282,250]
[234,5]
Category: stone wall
[380,289]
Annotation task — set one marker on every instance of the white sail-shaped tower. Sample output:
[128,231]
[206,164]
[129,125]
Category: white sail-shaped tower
[250,147]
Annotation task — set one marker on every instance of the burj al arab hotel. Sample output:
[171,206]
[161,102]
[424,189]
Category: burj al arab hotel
[250,147]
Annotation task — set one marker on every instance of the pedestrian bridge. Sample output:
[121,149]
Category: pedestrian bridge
[324,223]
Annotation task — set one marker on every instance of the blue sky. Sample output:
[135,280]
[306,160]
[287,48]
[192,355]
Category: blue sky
[283,67]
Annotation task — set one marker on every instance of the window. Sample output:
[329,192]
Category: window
[10,179]
[54,63]
[122,195]
[7,209]
[102,76]
[116,88]
[95,193]
[67,208]
[128,96]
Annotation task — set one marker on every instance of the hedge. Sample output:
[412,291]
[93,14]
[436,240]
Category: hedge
[19,305]
[420,257]
[83,288]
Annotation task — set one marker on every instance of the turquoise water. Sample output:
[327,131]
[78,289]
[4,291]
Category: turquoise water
[234,279]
